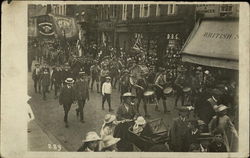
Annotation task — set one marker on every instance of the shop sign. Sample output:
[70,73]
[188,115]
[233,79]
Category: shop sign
[172,36]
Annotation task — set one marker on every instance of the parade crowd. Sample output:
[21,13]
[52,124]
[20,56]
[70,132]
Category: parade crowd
[207,103]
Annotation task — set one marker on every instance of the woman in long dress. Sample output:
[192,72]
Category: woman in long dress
[222,122]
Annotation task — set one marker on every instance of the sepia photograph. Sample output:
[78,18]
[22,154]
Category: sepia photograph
[133,77]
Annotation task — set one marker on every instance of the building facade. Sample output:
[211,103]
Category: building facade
[217,10]
[152,28]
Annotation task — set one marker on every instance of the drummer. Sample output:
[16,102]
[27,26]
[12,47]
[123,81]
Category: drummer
[141,87]
[124,83]
[180,84]
[160,83]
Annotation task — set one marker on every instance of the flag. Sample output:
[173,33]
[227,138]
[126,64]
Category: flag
[65,26]
[79,48]
[138,43]
[104,39]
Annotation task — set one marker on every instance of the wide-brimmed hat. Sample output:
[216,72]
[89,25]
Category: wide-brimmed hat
[183,109]
[69,80]
[221,107]
[37,64]
[128,94]
[109,78]
[200,122]
[109,140]
[91,136]
[140,120]
[109,118]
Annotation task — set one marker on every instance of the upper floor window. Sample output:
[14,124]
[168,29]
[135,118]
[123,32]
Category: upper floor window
[133,11]
[158,10]
[171,9]
[124,11]
[144,10]
[226,9]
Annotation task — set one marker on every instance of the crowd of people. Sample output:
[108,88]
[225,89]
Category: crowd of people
[211,98]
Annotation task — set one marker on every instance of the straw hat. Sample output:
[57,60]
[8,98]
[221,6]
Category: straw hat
[91,136]
[69,80]
[109,118]
[108,77]
[109,140]
[221,108]
[200,122]
[140,120]
[183,109]
[206,72]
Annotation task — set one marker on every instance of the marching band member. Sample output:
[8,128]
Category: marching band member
[160,83]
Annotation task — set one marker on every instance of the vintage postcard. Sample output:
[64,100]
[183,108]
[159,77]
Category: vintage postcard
[124,79]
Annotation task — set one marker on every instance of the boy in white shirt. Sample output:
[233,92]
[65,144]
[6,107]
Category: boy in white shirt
[106,93]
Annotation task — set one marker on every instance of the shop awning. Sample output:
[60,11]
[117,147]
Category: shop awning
[213,43]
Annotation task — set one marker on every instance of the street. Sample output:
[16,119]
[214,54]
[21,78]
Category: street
[50,115]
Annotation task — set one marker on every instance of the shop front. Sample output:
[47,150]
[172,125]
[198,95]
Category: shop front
[160,40]
[213,43]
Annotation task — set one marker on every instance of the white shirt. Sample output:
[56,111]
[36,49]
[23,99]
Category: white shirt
[106,88]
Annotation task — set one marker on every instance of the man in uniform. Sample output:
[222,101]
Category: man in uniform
[45,82]
[161,82]
[124,83]
[56,77]
[95,75]
[179,84]
[36,77]
[141,87]
[82,94]
[66,98]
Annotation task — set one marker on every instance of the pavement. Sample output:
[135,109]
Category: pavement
[40,140]
[49,117]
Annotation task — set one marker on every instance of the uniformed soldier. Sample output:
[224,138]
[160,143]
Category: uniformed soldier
[45,81]
[95,75]
[141,87]
[82,94]
[179,84]
[161,83]
[36,75]
[124,83]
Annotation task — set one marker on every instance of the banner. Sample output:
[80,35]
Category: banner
[45,26]
[64,26]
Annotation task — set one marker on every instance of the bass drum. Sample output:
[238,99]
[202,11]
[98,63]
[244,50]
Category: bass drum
[138,70]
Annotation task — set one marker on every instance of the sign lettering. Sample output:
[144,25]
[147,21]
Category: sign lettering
[226,36]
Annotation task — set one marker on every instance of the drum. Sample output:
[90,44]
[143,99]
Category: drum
[186,89]
[168,90]
[138,70]
[148,93]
